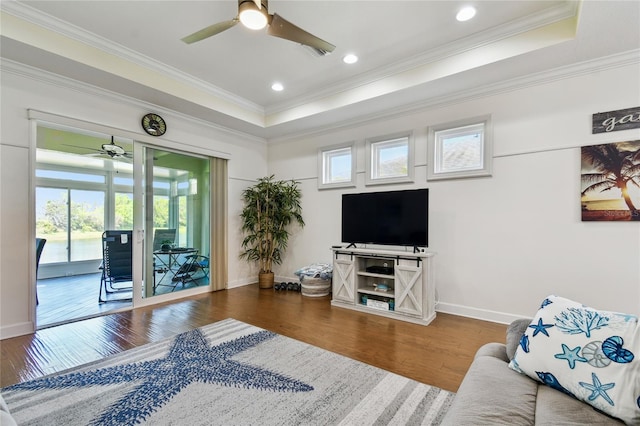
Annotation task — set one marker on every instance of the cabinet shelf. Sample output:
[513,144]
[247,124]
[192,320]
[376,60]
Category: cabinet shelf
[375,275]
[370,290]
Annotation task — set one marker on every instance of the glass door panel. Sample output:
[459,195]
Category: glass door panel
[123,211]
[72,222]
[87,224]
[52,221]
[182,218]
[177,213]
[160,211]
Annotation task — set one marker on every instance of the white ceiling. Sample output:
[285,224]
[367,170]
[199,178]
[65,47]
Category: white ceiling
[411,53]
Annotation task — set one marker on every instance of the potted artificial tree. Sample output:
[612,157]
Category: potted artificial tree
[270,207]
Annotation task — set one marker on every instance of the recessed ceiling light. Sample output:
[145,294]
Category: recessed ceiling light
[350,58]
[277,87]
[466,13]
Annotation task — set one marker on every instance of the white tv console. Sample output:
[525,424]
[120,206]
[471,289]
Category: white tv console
[360,277]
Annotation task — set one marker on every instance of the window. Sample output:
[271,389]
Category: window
[78,177]
[74,204]
[390,160]
[72,221]
[460,149]
[123,211]
[337,167]
[86,224]
[52,223]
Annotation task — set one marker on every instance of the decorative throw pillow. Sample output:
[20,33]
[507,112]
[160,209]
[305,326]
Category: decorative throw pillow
[589,354]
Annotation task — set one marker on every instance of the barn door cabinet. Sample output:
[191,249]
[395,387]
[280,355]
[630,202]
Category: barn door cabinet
[395,284]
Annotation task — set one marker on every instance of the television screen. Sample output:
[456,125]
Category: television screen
[388,218]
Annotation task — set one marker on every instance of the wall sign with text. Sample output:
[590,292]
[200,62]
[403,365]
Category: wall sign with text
[612,121]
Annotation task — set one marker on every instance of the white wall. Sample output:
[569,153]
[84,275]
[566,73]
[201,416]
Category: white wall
[505,242]
[24,89]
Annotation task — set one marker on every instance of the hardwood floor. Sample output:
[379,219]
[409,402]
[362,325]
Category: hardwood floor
[438,354]
[71,298]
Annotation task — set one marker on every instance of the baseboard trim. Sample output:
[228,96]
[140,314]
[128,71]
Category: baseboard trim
[445,308]
[249,281]
[15,330]
[476,313]
[241,283]
[279,279]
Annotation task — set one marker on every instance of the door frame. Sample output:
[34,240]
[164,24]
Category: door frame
[46,119]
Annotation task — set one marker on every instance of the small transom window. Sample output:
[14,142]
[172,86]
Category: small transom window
[460,150]
[390,160]
[336,167]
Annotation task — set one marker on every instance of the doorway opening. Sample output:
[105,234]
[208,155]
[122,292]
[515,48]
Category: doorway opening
[87,192]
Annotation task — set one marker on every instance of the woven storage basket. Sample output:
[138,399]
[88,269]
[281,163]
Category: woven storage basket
[315,287]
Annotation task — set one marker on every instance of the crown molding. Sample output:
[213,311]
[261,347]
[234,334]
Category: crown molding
[56,80]
[466,44]
[614,61]
[619,60]
[545,17]
[78,34]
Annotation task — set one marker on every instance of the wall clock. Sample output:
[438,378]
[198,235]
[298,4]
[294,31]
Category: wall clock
[154,125]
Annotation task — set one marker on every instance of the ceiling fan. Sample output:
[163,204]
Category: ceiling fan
[254,14]
[110,149]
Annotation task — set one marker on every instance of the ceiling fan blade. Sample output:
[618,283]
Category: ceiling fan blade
[83,147]
[280,27]
[111,156]
[210,31]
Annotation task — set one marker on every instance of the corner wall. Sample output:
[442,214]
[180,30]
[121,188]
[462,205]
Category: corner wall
[505,242]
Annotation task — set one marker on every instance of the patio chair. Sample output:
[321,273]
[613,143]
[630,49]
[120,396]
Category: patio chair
[198,263]
[117,265]
[40,242]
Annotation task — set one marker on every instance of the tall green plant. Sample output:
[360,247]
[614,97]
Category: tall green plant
[270,207]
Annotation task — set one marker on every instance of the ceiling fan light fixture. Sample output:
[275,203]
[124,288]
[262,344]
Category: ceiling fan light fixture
[254,14]
[252,17]
[113,150]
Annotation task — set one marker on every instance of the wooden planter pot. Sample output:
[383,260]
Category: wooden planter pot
[265,280]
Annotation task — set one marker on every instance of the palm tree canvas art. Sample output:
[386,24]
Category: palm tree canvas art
[611,182]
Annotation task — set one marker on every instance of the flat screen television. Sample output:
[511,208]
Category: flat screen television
[399,218]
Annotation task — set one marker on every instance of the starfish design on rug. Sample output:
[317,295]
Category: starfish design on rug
[598,389]
[540,328]
[189,360]
[571,355]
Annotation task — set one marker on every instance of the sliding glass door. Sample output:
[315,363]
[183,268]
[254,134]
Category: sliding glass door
[176,221]
[88,182]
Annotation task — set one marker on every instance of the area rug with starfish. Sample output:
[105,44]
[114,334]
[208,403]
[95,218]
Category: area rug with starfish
[226,373]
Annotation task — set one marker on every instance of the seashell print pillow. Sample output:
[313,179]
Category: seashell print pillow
[592,355]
